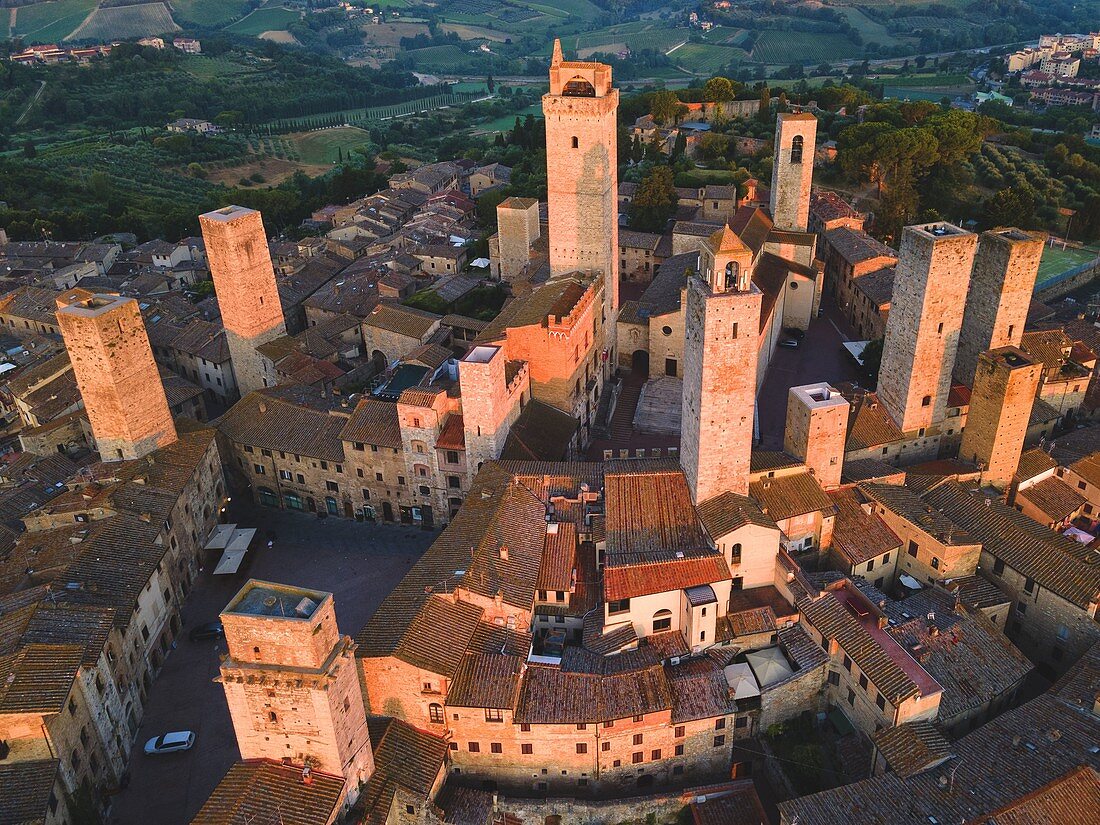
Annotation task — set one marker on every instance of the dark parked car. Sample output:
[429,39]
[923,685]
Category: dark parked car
[794,332]
[205,632]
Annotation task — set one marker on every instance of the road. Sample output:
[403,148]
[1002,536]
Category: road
[359,563]
[820,358]
[30,105]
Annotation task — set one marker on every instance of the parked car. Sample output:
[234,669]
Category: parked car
[789,343]
[205,632]
[180,740]
[794,332]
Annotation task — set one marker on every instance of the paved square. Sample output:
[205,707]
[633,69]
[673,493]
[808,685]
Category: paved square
[359,563]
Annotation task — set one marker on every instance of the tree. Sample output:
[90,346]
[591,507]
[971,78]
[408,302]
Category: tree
[719,90]
[714,145]
[490,84]
[765,104]
[1012,206]
[666,108]
[28,149]
[654,201]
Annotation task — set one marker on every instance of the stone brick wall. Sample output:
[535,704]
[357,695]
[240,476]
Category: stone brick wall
[517,230]
[925,320]
[952,559]
[489,406]
[118,378]
[816,429]
[790,192]
[244,279]
[720,356]
[1001,287]
[1005,381]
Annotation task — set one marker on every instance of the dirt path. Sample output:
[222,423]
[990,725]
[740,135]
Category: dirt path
[33,100]
[11,21]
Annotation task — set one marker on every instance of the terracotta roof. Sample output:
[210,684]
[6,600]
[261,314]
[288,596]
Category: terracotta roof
[262,419]
[760,461]
[486,680]
[1071,798]
[699,691]
[740,806]
[869,424]
[878,286]
[451,436]
[559,557]
[662,577]
[1060,564]
[859,536]
[912,747]
[556,298]
[552,696]
[1053,497]
[977,591]
[784,497]
[38,678]
[405,758]
[1032,463]
[870,469]
[28,788]
[541,433]
[415,323]
[855,245]
[374,422]
[1010,757]
[262,790]
[906,503]
[726,512]
[750,622]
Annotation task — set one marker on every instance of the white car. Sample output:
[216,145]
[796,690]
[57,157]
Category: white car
[180,740]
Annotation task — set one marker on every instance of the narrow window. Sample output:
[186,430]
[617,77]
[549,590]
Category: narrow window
[796,149]
[576,143]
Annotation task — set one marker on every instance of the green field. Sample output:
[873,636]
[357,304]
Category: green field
[636,36]
[787,47]
[106,24]
[706,58]
[935,80]
[207,68]
[1057,260]
[48,22]
[444,59]
[871,30]
[264,20]
[326,145]
[506,122]
[209,12]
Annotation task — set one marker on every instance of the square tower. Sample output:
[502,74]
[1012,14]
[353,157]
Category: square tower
[244,280]
[720,354]
[291,683]
[793,170]
[922,332]
[817,426]
[582,173]
[115,371]
[1005,382]
[517,231]
[489,385]
[1001,286]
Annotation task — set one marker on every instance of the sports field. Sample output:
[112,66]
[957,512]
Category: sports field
[1057,260]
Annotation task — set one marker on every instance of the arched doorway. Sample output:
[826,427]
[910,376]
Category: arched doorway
[378,361]
[639,363]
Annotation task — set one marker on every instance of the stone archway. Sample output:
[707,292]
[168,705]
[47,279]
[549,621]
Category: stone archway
[639,363]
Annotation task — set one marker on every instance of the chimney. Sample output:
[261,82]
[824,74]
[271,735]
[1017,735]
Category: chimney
[503,552]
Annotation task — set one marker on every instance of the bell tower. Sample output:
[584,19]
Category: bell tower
[720,358]
[582,175]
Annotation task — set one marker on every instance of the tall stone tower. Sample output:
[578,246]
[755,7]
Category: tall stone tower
[793,170]
[720,352]
[922,332]
[1001,285]
[1005,382]
[244,279]
[582,174]
[517,231]
[291,683]
[118,379]
[817,426]
[489,404]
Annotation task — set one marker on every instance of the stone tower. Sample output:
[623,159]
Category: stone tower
[817,426]
[118,378]
[922,332]
[291,683]
[244,279]
[793,170]
[720,353]
[1005,383]
[582,173]
[489,403]
[517,231]
[1001,285]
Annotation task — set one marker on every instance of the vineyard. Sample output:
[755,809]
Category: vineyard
[707,59]
[105,24]
[443,59]
[49,22]
[370,115]
[209,12]
[264,20]
[786,47]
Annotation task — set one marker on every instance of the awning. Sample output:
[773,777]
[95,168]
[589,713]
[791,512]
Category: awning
[769,666]
[909,582]
[219,539]
[230,562]
[741,681]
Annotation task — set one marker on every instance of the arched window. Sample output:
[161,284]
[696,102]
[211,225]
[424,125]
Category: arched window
[735,553]
[662,620]
[796,149]
[576,143]
[435,713]
[578,87]
[926,401]
[733,272]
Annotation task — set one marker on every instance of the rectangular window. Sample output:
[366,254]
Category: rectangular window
[679,750]
[834,679]
[679,732]
[863,681]
[637,757]
[259,468]
[638,738]
[741,722]
[582,747]
[475,747]
[913,549]
[620,606]
[1029,585]
[493,715]
[719,741]
[525,727]
[655,755]
[886,559]
[720,724]
[998,567]
[605,746]
[286,475]
[851,697]
[526,748]
[847,663]
[881,702]
[494,747]
[452,456]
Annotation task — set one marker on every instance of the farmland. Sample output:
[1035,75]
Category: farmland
[636,36]
[870,30]
[786,47]
[49,22]
[443,59]
[105,24]
[707,59]
[327,146]
[264,20]
[208,12]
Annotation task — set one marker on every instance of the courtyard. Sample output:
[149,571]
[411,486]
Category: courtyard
[360,563]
